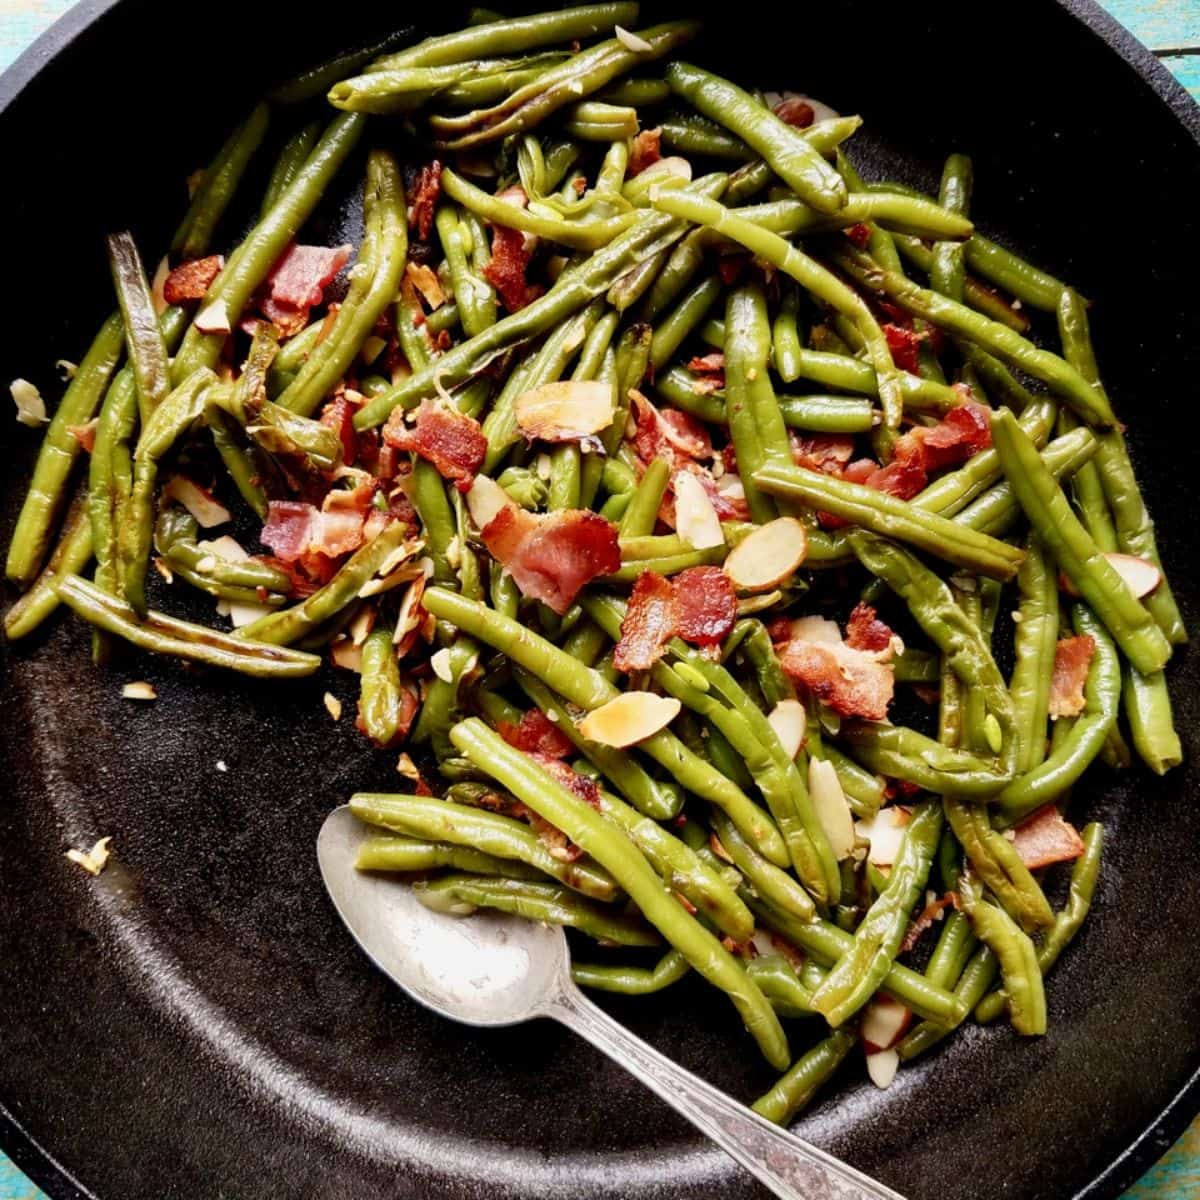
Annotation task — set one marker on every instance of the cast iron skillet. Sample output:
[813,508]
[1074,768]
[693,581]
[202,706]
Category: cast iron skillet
[196,1023]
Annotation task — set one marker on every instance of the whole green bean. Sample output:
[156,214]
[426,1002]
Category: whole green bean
[745,351]
[677,325]
[292,157]
[642,513]
[143,338]
[1147,705]
[391,852]
[794,1090]
[976,978]
[379,696]
[772,883]
[781,985]
[1035,639]
[902,753]
[955,945]
[631,981]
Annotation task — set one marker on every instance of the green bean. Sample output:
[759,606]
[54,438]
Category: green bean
[691,310]
[786,342]
[815,278]
[794,1090]
[1008,346]
[947,273]
[613,850]
[437,820]
[902,753]
[1093,576]
[642,513]
[391,852]
[374,280]
[401,90]
[1017,958]
[237,458]
[161,634]
[773,681]
[594,121]
[1147,705]
[864,791]
[218,184]
[745,350]
[513,35]
[777,979]
[1067,921]
[475,297]
[790,155]
[316,81]
[772,883]
[1012,273]
[175,536]
[976,978]
[955,945]
[287,166]
[1035,640]
[631,981]
[888,516]
[258,253]
[343,589]
[59,449]
[70,556]
[863,968]
[901,213]
[143,338]
[379,696]
[581,75]
[460,895]
[1086,736]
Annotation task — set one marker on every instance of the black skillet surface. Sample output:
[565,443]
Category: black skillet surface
[196,1023]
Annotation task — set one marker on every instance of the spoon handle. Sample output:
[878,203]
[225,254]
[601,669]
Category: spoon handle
[789,1166]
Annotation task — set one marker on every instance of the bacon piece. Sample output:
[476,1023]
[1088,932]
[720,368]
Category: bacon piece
[646,149]
[852,682]
[338,415]
[537,734]
[553,555]
[961,434]
[860,470]
[925,919]
[85,434]
[426,190]
[905,475]
[298,280]
[337,531]
[731,266]
[708,364]
[289,528]
[859,234]
[191,280]
[825,452]
[669,434]
[651,619]
[864,631]
[707,605]
[727,505]
[1072,661]
[506,270]
[905,345]
[452,441]
[1045,838]
[795,112]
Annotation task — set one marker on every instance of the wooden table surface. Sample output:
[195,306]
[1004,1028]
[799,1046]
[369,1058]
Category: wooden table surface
[1171,28]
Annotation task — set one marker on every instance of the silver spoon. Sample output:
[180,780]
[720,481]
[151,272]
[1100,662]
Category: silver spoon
[494,969]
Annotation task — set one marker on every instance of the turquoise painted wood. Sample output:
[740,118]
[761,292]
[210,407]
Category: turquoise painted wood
[1171,28]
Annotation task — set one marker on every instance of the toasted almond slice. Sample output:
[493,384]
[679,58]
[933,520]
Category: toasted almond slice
[156,286]
[440,662]
[566,410]
[31,408]
[816,629]
[696,520]
[333,706]
[424,279]
[631,41]
[884,1021]
[93,861]
[203,505]
[1141,576]
[829,803]
[885,832]
[139,689]
[485,499]
[630,718]
[242,614]
[768,556]
[347,655]
[790,722]
[213,318]
[223,547]
[67,370]
[669,168]
[882,1067]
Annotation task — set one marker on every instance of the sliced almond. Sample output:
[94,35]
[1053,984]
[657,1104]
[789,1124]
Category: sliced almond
[241,613]
[31,408]
[631,41]
[67,370]
[213,318]
[885,832]
[139,689]
[93,861]
[333,706]
[790,722]
[485,499]
[884,1022]
[425,280]
[157,283]
[440,662]
[1141,576]
[816,629]
[347,655]
[829,803]
[668,168]
[696,520]
[223,547]
[771,554]
[631,717]
[566,410]
[202,504]
[882,1067]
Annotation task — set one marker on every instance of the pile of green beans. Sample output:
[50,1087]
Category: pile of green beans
[745,310]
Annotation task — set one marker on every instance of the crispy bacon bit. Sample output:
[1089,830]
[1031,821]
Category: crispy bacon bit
[452,441]
[288,530]
[708,364]
[905,475]
[85,434]
[864,631]
[579,785]
[825,452]
[668,434]
[338,415]
[506,270]
[962,433]
[537,734]
[852,682]
[905,345]
[707,605]
[191,280]
[650,621]
[646,149]
[1072,661]
[426,189]
[553,555]
[859,234]
[298,280]
[1045,838]
[731,266]
[795,112]
[925,918]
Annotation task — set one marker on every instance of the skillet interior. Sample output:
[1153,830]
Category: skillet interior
[196,1023]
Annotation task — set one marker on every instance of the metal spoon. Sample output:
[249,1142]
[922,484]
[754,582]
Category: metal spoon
[494,969]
